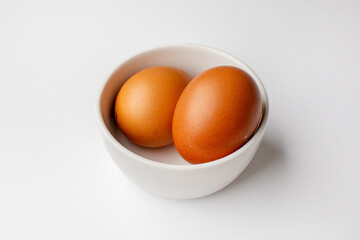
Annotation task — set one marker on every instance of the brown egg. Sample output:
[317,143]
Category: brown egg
[145,104]
[216,114]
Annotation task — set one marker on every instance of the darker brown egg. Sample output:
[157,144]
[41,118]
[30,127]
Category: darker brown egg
[216,114]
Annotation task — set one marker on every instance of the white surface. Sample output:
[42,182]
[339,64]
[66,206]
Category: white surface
[57,180]
[174,178]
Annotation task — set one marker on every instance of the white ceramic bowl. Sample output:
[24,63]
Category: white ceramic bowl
[162,171]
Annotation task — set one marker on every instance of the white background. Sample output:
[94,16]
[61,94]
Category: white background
[57,180]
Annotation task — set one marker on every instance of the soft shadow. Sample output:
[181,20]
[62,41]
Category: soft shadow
[269,155]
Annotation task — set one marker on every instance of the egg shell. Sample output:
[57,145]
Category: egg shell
[216,114]
[145,105]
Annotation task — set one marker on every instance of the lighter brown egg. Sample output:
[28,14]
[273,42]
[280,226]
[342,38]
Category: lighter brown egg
[145,105]
[217,113]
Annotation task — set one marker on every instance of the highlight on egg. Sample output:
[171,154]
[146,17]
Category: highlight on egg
[145,105]
[216,114]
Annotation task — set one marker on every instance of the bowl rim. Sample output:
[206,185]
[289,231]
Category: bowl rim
[258,133]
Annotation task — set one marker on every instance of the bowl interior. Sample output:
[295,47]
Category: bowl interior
[192,59]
